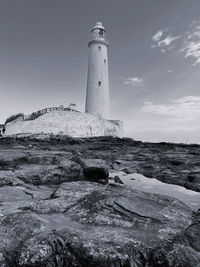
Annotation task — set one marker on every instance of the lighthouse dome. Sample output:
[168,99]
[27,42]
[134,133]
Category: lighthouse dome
[98,26]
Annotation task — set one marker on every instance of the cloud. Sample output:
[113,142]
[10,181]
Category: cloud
[185,108]
[191,43]
[163,40]
[134,81]
[157,36]
[167,41]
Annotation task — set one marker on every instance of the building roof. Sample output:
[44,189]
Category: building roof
[98,26]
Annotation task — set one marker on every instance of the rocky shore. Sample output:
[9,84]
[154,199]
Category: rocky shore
[50,216]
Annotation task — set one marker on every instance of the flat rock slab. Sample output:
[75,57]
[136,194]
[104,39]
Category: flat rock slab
[89,224]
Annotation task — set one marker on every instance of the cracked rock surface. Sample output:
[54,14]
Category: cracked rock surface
[50,216]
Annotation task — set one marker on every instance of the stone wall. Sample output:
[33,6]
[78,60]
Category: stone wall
[74,124]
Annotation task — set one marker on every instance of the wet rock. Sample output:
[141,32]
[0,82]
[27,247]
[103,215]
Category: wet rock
[88,224]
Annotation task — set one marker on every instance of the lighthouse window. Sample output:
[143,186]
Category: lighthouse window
[101,33]
[99,83]
[99,47]
[105,61]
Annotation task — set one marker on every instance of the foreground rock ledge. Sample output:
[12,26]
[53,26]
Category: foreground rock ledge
[49,217]
[89,224]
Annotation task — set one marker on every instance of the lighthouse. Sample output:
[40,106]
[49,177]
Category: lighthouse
[97,96]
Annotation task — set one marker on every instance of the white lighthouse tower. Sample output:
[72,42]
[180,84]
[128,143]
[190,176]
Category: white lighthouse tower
[97,97]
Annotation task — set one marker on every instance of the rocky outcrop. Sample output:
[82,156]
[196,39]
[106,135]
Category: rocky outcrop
[170,163]
[50,216]
[89,224]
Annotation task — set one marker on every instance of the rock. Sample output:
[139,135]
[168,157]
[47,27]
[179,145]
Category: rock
[50,174]
[93,173]
[96,173]
[118,180]
[50,217]
[86,225]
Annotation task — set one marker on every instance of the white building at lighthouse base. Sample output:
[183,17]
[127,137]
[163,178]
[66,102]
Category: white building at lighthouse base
[65,122]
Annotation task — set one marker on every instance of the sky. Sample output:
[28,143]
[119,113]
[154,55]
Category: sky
[153,57]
